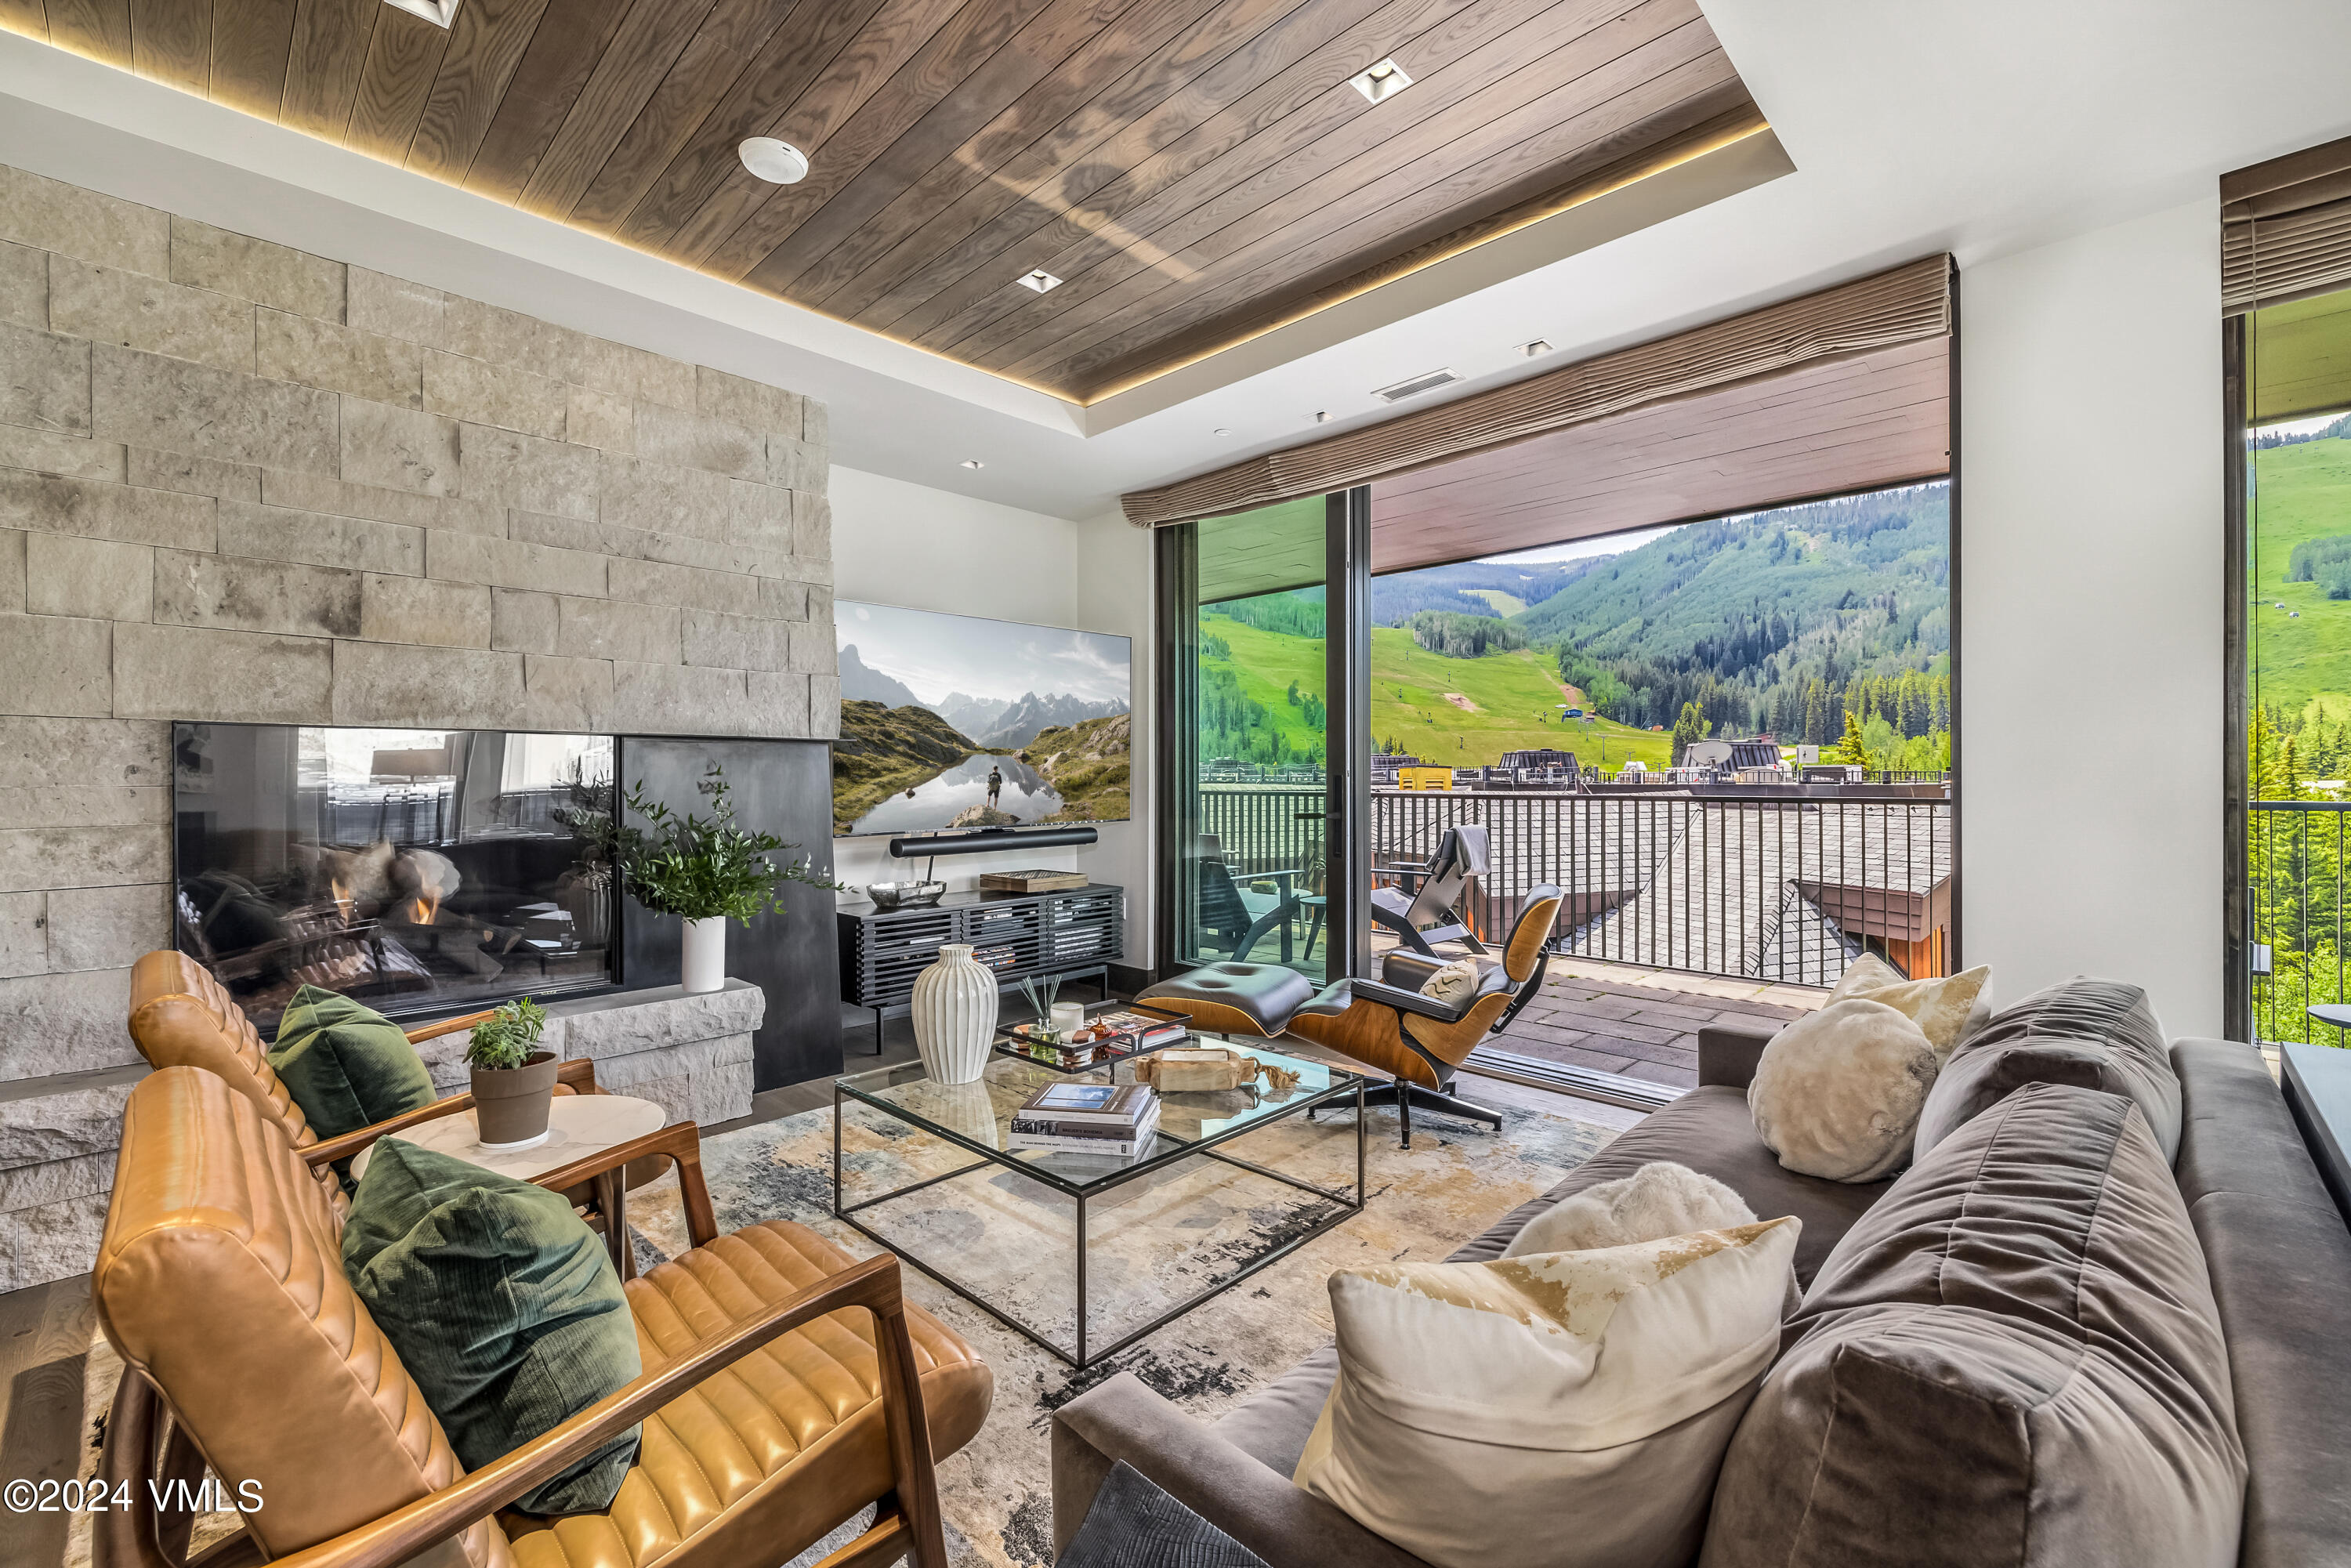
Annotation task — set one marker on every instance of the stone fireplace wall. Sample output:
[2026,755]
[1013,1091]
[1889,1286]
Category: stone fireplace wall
[240,482]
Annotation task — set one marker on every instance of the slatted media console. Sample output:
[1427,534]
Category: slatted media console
[1071,933]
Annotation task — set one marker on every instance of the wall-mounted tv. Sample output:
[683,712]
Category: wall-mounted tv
[952,721]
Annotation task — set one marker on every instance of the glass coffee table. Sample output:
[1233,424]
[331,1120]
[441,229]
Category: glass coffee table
[1200,1209]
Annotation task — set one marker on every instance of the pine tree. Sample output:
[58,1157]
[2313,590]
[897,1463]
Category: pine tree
[1691,726]
[1850,748]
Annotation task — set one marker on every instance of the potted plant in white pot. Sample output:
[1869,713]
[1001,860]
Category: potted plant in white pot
[706,872]
[513,1080]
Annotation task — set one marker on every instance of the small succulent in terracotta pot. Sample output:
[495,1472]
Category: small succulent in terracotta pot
[514,1081]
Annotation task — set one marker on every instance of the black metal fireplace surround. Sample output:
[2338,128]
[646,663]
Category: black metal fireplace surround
[436,871]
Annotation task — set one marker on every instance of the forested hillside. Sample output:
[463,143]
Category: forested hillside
[1473,588]
[1778,621]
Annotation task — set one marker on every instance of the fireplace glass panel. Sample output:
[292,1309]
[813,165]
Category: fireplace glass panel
[417,870]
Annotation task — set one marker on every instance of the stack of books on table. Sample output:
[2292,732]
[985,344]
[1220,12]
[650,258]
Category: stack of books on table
[1108,1120]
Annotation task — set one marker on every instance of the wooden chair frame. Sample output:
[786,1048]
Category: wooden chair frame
[143,1443]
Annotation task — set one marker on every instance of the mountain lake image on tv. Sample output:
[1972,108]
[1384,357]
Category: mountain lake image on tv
[952,721]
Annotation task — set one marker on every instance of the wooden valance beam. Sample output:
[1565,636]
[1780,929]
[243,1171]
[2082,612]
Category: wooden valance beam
[1903,305]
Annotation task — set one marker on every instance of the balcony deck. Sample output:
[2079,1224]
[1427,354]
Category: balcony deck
[1640,1023]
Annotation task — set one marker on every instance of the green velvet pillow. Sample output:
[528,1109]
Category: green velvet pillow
[504,1307]
[348,1066]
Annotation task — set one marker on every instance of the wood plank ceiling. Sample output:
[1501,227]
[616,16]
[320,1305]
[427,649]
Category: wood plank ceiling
[1195,171]
[1860,423]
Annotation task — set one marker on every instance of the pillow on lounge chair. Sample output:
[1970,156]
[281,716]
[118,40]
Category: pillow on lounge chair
[1550,1410]
[1456,982]
[503,1306]
[347,1065]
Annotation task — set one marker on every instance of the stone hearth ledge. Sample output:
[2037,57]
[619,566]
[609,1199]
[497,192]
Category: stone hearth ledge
[689,1054]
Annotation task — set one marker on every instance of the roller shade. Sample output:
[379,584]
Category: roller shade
[2285,228]
[1903,305]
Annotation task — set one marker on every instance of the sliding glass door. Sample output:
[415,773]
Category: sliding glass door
[1254,759]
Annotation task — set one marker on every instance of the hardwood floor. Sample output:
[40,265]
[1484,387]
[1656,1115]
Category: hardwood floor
[45,1339]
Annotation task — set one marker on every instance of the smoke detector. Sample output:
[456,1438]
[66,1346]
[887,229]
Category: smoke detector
[440,12]
[777,162]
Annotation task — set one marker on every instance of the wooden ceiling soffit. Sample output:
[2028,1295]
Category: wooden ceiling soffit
[1902,304]
[1833,426]
[1197,172]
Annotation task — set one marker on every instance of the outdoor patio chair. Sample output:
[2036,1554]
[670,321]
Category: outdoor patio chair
[1432,913]
[1234,917]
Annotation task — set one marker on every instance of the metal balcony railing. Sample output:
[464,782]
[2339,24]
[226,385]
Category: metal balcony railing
[1776,889]
[2294,868]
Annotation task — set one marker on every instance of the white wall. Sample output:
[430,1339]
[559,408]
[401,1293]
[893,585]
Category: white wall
[2090,597]
[899,543]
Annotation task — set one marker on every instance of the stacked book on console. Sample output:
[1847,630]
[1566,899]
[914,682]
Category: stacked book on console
[1109,1121]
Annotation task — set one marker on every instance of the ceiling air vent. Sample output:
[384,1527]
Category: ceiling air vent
[1415,387]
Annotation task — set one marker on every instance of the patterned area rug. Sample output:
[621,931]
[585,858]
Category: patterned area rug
[1171,1239]
[1162,1240]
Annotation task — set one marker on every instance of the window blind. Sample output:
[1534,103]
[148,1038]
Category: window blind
[1902,304]
[2285,228]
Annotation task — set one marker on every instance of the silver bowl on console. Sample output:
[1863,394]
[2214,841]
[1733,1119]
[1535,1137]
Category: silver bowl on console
[887,895]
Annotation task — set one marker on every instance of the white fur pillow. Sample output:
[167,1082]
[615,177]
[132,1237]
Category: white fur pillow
[1661,1199]
[1457,982]
[1947,1009]
[1838,1092]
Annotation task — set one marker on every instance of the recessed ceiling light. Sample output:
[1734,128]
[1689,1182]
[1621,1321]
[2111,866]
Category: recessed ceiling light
[1532,347]
[1381,82]
[973,463]
[1321,416]
[777,162]
[1415,387]
[1223,432]
[437,12]
[1040,280]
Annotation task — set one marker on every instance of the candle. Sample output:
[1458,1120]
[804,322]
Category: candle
[1069,1017]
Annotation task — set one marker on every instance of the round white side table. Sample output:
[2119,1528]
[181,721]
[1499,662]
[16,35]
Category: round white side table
[577,1125]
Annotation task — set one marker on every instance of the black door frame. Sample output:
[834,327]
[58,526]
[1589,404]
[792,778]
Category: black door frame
[1347,692]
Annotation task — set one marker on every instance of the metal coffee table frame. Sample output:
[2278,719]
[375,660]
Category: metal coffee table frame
[1345,1085]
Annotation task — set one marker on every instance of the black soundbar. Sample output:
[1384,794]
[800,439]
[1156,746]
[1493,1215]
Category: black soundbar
[978,841]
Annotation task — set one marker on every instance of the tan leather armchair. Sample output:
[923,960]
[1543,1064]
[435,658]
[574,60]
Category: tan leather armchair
[181,1016]
[1388,1024]
[772,1411]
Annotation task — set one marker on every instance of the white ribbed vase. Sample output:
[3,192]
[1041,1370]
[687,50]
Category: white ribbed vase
[955,1015]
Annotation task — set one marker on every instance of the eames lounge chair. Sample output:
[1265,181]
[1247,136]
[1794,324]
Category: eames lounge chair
[1432,913]
[772,1412]
[1389,1024]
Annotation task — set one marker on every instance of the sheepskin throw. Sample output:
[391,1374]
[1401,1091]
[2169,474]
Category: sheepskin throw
[1836,1093]
[1661,1199]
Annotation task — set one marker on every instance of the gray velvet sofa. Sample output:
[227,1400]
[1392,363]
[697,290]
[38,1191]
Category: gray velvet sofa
[2275,1247]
